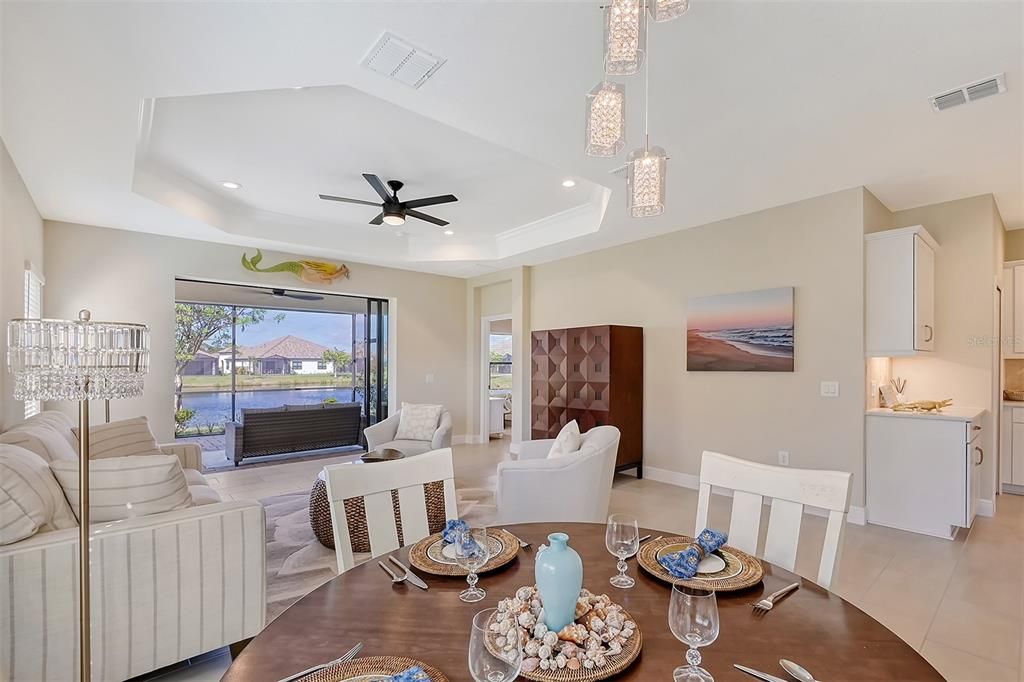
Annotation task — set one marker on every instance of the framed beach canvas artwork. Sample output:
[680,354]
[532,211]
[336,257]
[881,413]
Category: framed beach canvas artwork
[750,331]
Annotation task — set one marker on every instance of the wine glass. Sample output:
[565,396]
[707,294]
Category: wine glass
[485,664]
[693,619]
[622,538]
[471,552]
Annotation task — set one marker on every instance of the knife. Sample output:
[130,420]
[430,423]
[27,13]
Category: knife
[409,575]
[758,674]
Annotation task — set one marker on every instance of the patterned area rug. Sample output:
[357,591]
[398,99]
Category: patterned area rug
[297,563]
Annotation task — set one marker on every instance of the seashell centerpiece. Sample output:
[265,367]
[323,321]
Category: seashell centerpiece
[602,640]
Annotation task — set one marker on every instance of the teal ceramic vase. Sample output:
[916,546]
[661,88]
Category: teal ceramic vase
[559,575]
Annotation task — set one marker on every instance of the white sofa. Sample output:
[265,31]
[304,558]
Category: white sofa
[165,587]
[573,488]
[382,435]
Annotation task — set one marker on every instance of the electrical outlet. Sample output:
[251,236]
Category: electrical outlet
[784,458]
[830,389]
[429,379]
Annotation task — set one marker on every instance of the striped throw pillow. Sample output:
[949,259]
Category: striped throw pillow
[30,499]
[121,439]
[127,487]
[42,439]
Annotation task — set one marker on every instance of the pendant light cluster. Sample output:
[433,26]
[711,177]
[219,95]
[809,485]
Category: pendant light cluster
[625,49]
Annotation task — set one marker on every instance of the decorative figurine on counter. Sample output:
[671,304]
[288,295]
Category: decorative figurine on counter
[923,406]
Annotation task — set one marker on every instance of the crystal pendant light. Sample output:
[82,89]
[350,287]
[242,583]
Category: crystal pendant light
[625,37]
[606,119]
[645,181]
[666,10]
[645,170]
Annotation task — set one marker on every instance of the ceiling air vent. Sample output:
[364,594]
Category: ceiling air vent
[397,58]
[970,93]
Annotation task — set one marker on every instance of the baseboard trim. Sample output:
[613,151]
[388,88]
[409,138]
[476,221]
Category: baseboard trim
[985,508]
[856,515]
[513,448]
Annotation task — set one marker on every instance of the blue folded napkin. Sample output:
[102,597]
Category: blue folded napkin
[413,674]
[456,532]
[684,564]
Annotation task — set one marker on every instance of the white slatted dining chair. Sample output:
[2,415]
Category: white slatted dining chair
[374,483]
[790,490]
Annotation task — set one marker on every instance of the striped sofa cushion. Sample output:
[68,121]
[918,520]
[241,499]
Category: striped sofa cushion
[30,499]
[121,439]
[42,439]
[127,487]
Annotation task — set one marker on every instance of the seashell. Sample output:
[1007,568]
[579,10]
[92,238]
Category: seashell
[594,622]
[493,627]
[582,607]
[531,648]
[539,630]
[505,625]
[573,632]
[614,648]
[572,664]
[561,660]
[500,641]
[627,632]
[600,661]
[535,605]
[527,619]
[544,652]
[588,664]
[530,664]
[569,649]
[593,642]
[551,638]
[524,594]
[629,624]
[545,664]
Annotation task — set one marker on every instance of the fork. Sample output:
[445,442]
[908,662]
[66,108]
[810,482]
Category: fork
[394,578]
[766,604]
[523,544]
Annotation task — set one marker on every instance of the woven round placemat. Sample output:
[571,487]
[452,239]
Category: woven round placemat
[741,569]
[420,558]
[616,663]
[381,666]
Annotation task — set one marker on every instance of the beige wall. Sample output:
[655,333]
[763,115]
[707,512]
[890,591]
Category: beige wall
[130,276]
[1013,242]
[488,295]
[815,246]
[964,365]
[21,241]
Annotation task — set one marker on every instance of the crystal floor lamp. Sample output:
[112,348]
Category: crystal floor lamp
[78,360]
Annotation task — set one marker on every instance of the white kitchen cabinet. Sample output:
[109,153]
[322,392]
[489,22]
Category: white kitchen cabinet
[1013,310]
[900,292]
[1012,449]
[923,471]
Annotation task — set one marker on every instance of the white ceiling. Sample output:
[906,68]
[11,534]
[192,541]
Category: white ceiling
[757,103]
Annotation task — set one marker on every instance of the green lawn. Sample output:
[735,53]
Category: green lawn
[222,382]
[501,381]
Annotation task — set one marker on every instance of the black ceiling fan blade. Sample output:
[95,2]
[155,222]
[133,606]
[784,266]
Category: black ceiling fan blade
[306,297]
[378,186]
[430,201]
[378,220]
[329,197]
[423,216]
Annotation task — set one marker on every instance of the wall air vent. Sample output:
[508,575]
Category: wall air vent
[399,59]
[970,93]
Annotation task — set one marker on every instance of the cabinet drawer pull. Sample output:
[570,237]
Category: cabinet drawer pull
[931,332]
[981,456]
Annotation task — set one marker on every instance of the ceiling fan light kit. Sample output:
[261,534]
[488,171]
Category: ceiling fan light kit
[625,45]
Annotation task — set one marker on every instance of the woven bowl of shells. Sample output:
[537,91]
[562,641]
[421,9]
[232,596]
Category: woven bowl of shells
[602,641]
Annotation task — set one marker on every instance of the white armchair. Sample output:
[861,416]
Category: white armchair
[574,488]
[382,435]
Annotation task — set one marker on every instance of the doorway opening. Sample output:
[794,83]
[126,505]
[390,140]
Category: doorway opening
[496,377]
[245,349]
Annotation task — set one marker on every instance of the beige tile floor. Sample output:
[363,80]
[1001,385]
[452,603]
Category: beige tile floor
[959,603]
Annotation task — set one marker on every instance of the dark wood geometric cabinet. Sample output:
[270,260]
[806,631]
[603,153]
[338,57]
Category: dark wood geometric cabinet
[594,375]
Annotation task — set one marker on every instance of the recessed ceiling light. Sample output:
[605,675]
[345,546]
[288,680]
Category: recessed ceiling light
[227,184]
[449,232]
[568,182]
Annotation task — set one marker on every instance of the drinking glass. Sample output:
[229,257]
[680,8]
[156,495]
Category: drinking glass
[471,556]
[622,538]
[693,619]
[484,664]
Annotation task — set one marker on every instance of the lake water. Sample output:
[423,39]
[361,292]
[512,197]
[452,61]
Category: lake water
[214,407]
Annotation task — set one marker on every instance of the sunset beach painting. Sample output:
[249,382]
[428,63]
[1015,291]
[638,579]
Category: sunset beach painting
[751,331]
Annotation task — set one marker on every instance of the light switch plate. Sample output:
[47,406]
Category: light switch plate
[429,379]
[830,389]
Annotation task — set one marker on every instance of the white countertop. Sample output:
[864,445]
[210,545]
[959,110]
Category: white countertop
[953,413]
[1013,403]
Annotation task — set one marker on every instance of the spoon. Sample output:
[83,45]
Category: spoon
[796,671]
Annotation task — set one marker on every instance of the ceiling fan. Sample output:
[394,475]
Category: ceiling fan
[393,211]
[283,293]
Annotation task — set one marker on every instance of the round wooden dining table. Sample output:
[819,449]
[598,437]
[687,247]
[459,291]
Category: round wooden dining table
[831,638]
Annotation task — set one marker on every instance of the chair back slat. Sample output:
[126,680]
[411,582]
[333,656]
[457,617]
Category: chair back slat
[413,504]
[745,523]
[790,491]
[783,533]
[374,483]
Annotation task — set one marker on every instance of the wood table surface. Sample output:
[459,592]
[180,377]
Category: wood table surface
[833,639]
